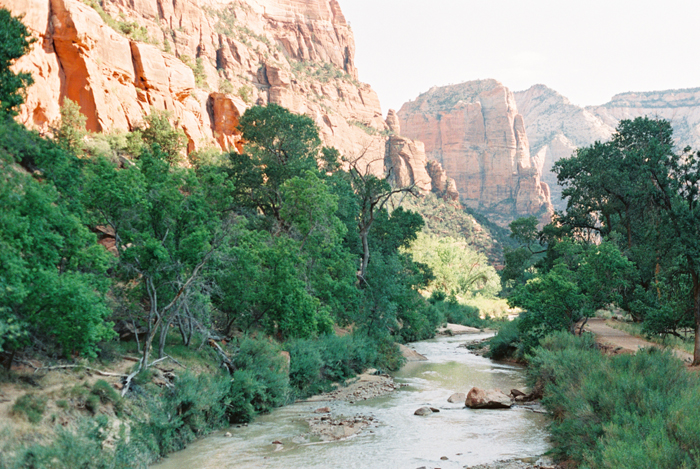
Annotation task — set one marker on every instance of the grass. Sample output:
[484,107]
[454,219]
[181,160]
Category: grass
[30,406]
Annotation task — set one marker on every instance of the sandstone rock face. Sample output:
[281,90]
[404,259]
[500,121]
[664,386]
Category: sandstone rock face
[392,121]
[492,399]
[297,53]
[680,107]
[405,162]
[443,186]
[474,130]
[555,128]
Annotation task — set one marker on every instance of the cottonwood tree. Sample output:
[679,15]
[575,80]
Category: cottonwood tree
[638,186]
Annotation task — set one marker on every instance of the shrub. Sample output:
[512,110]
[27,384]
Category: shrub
[506,342]
[31,406]
[260,383]
[625,411]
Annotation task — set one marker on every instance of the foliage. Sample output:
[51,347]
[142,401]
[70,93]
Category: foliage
[197,66]
[315,364]
[458,270]
[14,43]
[159,131]
[583,279]
[638,188]
[452,311]
[624,411]
[31,406]
[260,383]
[507,342]
[70,131]
[52,270]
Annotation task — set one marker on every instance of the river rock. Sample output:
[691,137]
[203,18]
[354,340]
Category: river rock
[456,398]
[492,399]
[323,410]
[423,411]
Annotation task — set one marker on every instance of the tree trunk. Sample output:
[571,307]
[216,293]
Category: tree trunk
[365,250]
[696,297]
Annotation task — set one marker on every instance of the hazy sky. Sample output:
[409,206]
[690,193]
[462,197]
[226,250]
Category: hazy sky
[587,50]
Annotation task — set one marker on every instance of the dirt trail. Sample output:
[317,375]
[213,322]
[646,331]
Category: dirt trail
[617,339]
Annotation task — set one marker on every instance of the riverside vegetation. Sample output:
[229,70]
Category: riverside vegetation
[215,262]
[628,242]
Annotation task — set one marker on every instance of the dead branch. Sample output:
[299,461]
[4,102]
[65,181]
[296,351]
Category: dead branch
[92,370]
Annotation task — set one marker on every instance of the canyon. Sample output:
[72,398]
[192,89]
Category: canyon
[205,62]
[556,127]
[475,132]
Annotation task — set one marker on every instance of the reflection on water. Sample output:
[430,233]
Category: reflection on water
[401,440]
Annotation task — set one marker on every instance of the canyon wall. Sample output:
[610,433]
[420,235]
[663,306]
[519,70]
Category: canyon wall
[204,61]
[556,128]
[474,131]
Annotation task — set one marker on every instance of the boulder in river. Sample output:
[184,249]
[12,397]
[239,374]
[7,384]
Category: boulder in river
[423,411]
[492,399]
[456,398]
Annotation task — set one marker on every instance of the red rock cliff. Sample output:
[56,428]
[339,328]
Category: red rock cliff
[205,61]
[475,132]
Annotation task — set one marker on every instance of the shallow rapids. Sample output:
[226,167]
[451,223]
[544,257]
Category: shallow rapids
[398,439]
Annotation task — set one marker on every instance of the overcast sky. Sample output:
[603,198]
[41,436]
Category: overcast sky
[587,50]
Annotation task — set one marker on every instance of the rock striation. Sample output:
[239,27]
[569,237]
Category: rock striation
[405,159]
[680,107]
[204,61]
[475,132]
[556,128]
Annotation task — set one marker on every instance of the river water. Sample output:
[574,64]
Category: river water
[399,439]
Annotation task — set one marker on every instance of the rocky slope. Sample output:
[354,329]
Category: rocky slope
[680,107]
[556,127]
[205,61]
[475,132]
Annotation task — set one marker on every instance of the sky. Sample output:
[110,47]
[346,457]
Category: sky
[587,50]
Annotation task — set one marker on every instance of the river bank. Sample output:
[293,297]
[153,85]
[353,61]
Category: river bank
[392,436]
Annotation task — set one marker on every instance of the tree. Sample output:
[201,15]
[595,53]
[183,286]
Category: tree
[458,269]
[166,226]
[51,270]
[14,43]
[279,146]
[637,186]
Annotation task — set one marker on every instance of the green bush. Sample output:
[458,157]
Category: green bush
[260,383]
[506,342]
[30,406]
[625,411]
[450,310]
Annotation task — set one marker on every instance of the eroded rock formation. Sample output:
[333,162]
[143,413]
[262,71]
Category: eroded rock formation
[205,61]
[405,159]
[556,128]
[475,132]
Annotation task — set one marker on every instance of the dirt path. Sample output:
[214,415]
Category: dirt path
[621,341]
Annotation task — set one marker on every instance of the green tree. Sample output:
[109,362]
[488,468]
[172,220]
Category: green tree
[637,186]
[279,146]
[14,43]
[51,269]
[458,269]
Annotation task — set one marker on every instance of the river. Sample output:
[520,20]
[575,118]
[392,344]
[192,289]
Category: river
[399,439]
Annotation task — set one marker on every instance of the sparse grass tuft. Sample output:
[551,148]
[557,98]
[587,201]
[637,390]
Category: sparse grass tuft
[30,406]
